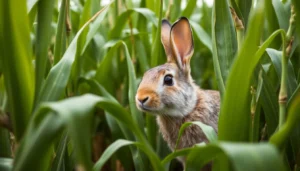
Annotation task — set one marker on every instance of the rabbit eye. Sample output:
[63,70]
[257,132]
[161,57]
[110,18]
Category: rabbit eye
[168,80]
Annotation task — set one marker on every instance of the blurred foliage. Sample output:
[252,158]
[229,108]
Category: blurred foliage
[69,70]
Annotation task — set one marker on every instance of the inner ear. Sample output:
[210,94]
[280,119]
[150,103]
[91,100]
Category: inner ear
[182,42]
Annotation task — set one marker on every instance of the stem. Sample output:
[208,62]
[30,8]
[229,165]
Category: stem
[286,50]
[239,26]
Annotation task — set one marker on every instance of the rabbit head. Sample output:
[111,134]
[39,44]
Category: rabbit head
[169,89]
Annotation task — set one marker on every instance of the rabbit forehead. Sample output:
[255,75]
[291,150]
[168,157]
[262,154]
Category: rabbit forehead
[153,75]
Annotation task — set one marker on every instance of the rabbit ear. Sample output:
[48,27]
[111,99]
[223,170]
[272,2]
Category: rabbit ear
[182,43]
[165,39]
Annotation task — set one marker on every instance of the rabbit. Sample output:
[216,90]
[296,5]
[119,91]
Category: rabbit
[169,92]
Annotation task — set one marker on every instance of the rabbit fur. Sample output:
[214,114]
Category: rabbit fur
[169,92]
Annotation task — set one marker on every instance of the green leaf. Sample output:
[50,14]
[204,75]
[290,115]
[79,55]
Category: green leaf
[70,113]
[16,62]
[110,151]
[57,79]
[272,22]
[243,157]
[156,45]
[234,119]
[293,118]
[175,10]
[276,57]
[281,13]
[269,102]
[31,4]
[123,18]
[189,9]
[202,35]
[61,33]
[245,6]
[224,42]
[208,131]
[43,37]
[58,162]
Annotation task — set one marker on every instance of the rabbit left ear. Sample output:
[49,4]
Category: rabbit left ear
[165,39]
[182,43]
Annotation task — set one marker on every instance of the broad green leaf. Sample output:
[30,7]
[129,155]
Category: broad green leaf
[293,118]
[16,62]
[43,38]
[123,18]
[234,120]
[102,77]
[110,151]
[224,42]
[61,150]
[177,153]
[208,131]
[234,5]
[71,113]
[57,79]
[243,157]
[77,69]
[61,34]
[175,10]
[156,45]
[269,102]
[265,157]
[142,55]
[94,26]
[189,9]
[281,13]
[272,21]
[245,6]
[118,130]
[276,57]
[30,5]
[6,164]
[202,35]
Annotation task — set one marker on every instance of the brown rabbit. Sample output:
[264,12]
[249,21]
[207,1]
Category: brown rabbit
[169,91]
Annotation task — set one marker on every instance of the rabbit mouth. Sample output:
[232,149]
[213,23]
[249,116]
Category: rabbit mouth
[144,108]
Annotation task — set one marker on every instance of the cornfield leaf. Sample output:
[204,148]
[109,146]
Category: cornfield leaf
[43,37]
[281,13]
[241,156]
[276,57]
[61,150]
[202,35]
[237,113]
[121,21]
[58,76]
[208,131]
[189,9]
[72,111]
[61,34]
[279,138]
[157,46]
[223,32]
[245,6]
[16,63]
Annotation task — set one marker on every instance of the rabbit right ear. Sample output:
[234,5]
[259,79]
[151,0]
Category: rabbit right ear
[165,39]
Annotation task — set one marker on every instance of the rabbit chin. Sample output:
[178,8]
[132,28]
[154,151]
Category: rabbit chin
[177,111]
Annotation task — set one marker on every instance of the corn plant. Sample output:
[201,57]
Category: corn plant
[69,71]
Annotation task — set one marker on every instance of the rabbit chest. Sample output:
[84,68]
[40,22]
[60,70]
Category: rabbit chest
[206,111]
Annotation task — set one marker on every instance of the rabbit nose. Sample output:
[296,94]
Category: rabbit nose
[143,100]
